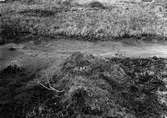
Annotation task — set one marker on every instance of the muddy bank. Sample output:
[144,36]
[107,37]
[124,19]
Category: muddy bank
[84,86]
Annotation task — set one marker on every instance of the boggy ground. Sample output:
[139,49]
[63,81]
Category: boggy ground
[50,80]
[84,86]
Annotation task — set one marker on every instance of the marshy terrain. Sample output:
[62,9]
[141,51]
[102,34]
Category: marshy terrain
[83,59]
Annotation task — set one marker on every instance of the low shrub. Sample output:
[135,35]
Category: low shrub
[96,5]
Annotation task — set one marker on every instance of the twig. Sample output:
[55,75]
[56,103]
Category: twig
[51,88]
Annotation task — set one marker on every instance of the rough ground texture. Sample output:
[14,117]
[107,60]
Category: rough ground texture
[44,85]
[84,86]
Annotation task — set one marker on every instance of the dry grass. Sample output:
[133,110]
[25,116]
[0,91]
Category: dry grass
[115,22]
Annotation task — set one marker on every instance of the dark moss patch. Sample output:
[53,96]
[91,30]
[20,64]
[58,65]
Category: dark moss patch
[37,13]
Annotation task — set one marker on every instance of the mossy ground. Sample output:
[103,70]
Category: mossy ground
[90,87]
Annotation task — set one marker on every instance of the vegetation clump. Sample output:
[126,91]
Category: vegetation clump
[96,5]
[84,86]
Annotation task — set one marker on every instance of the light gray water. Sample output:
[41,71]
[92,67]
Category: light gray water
[61,49]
